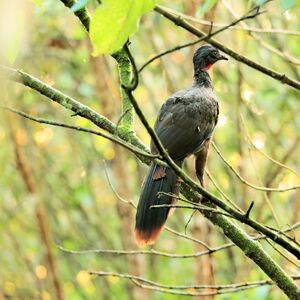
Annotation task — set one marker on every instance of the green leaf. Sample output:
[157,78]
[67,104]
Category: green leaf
[287,4]
[205,7]
[114,21]
[78,5]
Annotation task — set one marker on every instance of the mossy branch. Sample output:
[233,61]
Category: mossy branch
[69,103]
[125,73]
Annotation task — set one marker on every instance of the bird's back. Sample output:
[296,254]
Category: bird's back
[186,120]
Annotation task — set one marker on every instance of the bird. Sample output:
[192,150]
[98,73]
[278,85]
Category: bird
[184,125]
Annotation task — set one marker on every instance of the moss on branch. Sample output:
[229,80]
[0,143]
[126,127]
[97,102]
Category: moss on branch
[125,73]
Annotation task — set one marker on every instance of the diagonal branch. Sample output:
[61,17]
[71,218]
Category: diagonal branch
[198,189]
[250,248]
[69,103]
[112,138]
[248,29]
[252,13]
[259,188]
[179,21]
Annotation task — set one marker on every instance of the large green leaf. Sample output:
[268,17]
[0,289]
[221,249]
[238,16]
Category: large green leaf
[114,21]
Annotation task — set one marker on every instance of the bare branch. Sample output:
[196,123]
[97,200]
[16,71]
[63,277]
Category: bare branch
[221,191]
[259,188]
[264,153]
[199,207]
[185,236]
[179,21]
[249,15]
[248,29]
[175,289]
[163,254]
[112,138]
[287,57]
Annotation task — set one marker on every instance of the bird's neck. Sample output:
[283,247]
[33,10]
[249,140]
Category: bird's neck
[202,78]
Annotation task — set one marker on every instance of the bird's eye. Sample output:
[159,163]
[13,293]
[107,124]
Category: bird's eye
[214,53]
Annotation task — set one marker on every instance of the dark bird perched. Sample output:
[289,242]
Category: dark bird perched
[184,126]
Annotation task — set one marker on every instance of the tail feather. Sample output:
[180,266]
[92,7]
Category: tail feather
[150,222]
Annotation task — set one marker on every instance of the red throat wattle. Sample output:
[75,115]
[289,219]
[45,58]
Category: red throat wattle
[208,66]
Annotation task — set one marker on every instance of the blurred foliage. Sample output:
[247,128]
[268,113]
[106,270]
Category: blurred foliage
[66,170]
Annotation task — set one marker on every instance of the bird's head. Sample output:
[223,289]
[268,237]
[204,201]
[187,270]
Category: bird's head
[206,56]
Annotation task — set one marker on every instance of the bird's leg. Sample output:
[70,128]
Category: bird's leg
[200,162]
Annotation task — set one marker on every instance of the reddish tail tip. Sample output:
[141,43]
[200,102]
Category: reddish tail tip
[147,238]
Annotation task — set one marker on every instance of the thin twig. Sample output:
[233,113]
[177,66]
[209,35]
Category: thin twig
[112,138]
[163,254]
[199,207]
[259,188]
[185,236]
[283,255]
[179,21]
[249,15]
[114,190]
[221,191]
[120,119]
[220,289]
[248,29]
[247,214]
[188,293]
[264,153]
[265,194]
[287,57]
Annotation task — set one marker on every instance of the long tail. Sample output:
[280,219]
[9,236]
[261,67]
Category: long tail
[150,222]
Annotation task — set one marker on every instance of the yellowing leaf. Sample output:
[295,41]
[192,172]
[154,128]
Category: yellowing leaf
[114,21]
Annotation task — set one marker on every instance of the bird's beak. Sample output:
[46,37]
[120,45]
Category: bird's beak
[222,57]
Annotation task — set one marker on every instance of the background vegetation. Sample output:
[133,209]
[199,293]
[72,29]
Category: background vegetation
[73,189]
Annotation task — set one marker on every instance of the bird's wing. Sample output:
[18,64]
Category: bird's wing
[186,120]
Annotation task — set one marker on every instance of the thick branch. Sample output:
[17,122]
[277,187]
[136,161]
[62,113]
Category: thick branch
[69,103]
